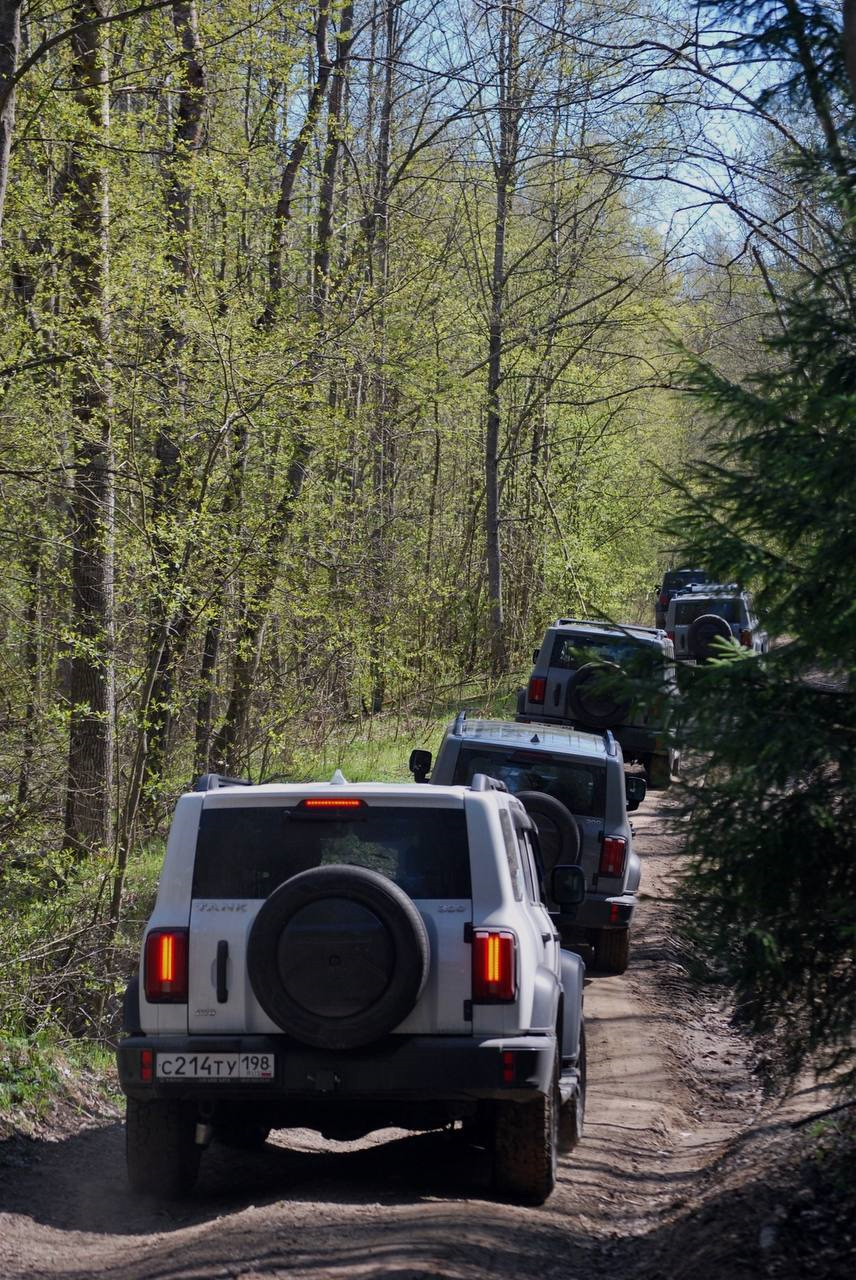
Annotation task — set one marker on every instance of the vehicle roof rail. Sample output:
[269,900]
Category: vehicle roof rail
[213,781]
[458,726]
[609,739]
[483,782]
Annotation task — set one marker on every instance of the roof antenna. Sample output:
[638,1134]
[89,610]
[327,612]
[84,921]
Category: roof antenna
[338,779]
[534,738]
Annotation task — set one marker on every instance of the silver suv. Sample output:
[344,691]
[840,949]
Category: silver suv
[598,675]
[574,787]
[699,616]
[351,957]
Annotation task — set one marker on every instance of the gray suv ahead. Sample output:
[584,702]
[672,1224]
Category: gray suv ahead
[701,615]
[599,675]
[573,786]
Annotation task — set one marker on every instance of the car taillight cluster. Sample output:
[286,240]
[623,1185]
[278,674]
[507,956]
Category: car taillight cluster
[494,966]
[537,689]
[664,599]
[671,636]
[612,854]
[165,968]
[746,639]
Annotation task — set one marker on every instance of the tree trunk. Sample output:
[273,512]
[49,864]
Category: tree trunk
[89,796]
[504,172]
[10,45]
[170,630]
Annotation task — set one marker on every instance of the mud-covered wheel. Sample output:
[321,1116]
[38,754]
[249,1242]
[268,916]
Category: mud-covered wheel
[161,1148]
[526,1146]
[572,1112]
[613,950]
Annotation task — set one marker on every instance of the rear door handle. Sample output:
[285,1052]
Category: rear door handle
[222,961]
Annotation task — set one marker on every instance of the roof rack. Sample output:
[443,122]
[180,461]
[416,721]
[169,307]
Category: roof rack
[482,782]
[458,726]
[609,739]
[213,782]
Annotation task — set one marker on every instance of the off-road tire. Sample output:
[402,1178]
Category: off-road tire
[590,704]
[398,924]
[613,950]
[160,1147]
[572,1113]
[526,1146]
[703,632]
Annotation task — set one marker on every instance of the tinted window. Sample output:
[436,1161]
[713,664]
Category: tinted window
[581,787]
[572,652]
[248,852]
[675,579]
[687,611]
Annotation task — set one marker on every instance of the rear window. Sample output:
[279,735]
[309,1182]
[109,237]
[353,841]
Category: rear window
[675,579]
[687,611]
[249,852]
[572,652]
[581,787]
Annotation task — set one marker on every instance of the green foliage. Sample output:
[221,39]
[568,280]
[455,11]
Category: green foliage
[773,803]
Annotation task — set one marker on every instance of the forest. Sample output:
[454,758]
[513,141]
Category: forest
[344,345]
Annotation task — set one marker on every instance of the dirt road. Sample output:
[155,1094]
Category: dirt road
[670,1092]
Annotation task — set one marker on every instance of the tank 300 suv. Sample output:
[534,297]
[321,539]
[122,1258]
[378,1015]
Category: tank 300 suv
[351,957]
[569,781]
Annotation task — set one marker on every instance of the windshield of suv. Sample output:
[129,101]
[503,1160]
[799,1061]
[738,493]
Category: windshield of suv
[580,786]
[249,852]
[572,652]
[687,611]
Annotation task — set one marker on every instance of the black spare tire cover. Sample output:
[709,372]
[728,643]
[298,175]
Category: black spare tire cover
[558,832]
[593,695]
[338,956]
[702,633]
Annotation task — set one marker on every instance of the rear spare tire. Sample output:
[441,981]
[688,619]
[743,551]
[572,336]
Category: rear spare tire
[703,632]
[558,833]
[594,698]
[338,956]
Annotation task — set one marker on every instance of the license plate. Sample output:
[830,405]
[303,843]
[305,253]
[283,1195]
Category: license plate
[217,1067]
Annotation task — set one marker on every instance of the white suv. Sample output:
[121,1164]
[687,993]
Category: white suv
[351,957]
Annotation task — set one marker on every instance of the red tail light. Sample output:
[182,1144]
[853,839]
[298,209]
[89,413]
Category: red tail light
[746,639]
[612,855]
[671,636]
[494,966]
[537,689]
[664,599]
[166,966]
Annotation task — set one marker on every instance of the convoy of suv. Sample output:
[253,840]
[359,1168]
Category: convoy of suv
[348,957]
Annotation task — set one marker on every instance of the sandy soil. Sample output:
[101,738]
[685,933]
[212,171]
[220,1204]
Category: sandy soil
[665,1183]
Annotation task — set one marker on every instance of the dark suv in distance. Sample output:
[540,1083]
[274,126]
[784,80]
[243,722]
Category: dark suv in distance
[674,580]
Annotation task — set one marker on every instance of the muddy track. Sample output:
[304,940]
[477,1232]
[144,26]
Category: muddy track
[670,1092]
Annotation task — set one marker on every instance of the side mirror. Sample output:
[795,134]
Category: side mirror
[567,885]
[636,788]
[419,765]
[535,653]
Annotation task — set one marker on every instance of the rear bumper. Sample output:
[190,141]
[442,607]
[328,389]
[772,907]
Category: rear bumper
[401,1068]
[596,913]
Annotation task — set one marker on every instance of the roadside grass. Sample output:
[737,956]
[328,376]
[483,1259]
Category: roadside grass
[377,748]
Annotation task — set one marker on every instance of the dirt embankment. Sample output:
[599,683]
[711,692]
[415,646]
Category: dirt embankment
[679,1174]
